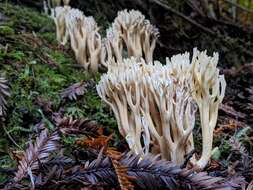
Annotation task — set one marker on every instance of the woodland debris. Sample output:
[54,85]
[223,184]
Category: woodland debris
[75,90]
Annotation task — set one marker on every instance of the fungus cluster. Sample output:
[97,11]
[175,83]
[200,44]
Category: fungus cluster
[155,104]
[150,105]
[84,38]
[130,33]
[130,29]
[49,5]
[83,32]
[208,92]
[121,89]
[58,14]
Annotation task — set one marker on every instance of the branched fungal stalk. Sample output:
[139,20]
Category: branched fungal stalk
[85,39]
[148,101]
[112,46]
[208,91]
[122,93]
[155,104]
[49,5]
[58,14]
[130,29]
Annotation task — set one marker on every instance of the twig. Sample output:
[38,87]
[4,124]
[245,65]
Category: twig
[9,171]
[203,28]
[74,65]
[32,3]
[237,25]
[188,157]
[196,8]
[9,136]
[184,17]
[244,69]
[239,6]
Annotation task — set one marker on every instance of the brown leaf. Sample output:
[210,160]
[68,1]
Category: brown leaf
[35,153]
[95,143]
[4,93]
[246,68]
[214,165]
[73,91]
[17,155]
[45,105]
[231,111]
[70,126]
[150,172]
[249,187]
[123,178]
[232,125]
[31,39]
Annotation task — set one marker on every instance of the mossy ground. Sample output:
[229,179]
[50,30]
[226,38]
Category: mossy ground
[37,71]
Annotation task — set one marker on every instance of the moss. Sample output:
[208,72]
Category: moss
[26,19]
[49,37]
[6,30]
[42,72]
[37,69]
[16,55]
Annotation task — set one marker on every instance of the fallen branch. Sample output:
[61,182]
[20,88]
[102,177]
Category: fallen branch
[244,69]
[184,17]
[239,6]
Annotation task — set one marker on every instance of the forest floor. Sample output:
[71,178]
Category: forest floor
[39,72]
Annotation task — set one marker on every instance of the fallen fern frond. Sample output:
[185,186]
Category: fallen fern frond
[37,153]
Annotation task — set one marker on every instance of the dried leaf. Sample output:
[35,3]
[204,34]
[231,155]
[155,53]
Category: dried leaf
[123,178]
[93,187]
[237,146]
[4,93]
[73,91]
[232,125]
[35,153]
[249,187]
[17,155]
[150,173]
[95,143]
[231,111]
[240,162]
[246,68]
[70,126]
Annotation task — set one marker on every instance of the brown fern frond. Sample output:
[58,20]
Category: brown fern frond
[113,153]
[237,146]
[93,187]
[249,187]
[35,153]
[4,93]
[230,125]
[17,155]
[147,173]
[152,172]
[239,162]
[70,126]
[75,90]
[229,110]
[95,143]
[123,178]
[189,180]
